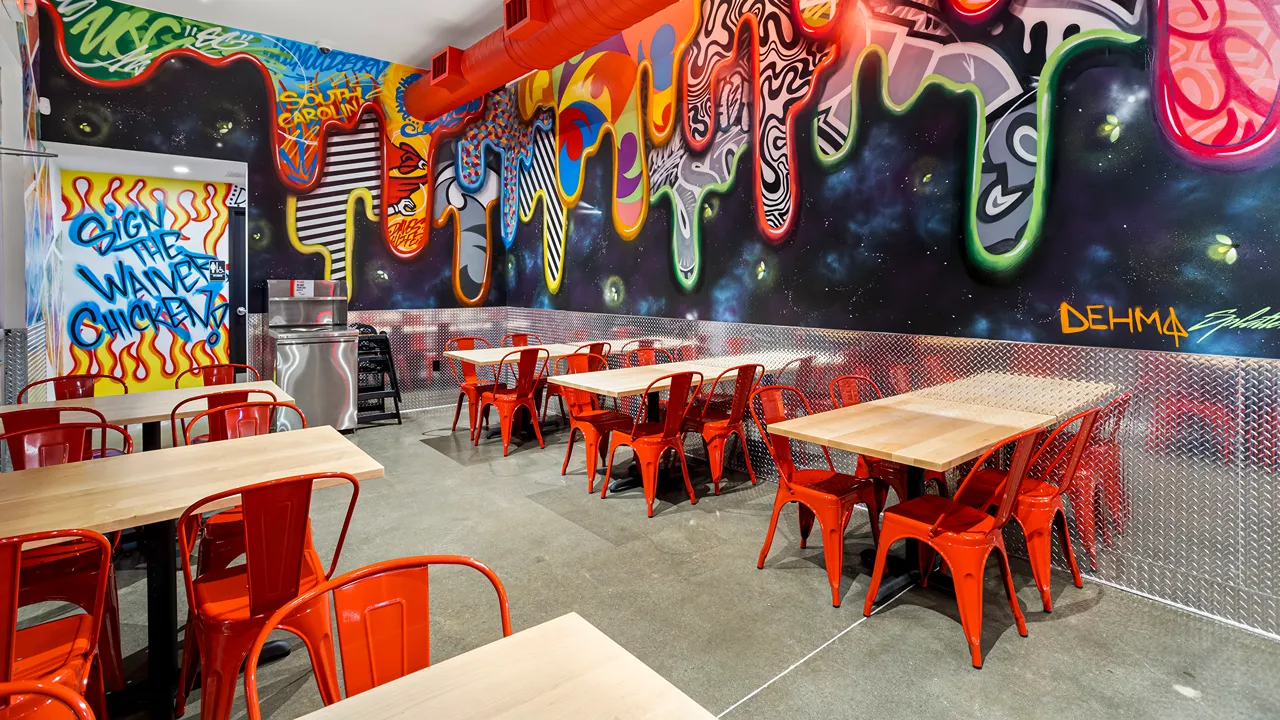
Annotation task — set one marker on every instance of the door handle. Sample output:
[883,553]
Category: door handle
[241,311]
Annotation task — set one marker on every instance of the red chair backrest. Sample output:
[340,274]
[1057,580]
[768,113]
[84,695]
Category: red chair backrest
[57,695]
[59,444]
[1023,444]
[772,404]
[848,390]
[528,372]
[684,386]
[18,421]
[465,372]
[10,597]
[217,374]
[213,400]
[276,517]
[383,614]
[745,379]
[803,367]
[596,348]
[1107,428]
[1057,458]
[645,356]
[72,387]
[244,419]
[580,401]
[521,340]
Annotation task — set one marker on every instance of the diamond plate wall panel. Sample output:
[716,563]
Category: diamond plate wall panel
[13,351]
[1193,511]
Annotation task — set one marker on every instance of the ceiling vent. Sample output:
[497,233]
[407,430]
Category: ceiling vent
[446,69]
[522,18]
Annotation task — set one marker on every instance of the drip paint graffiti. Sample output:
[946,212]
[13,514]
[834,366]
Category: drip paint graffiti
[315,94]
[788,65]
[538,183]
[1012,100]
[467,210]
[140,256]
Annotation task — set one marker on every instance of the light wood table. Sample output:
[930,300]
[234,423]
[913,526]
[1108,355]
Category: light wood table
[564,669]
[153,489]
[493,356]
[151,408]
[625,382]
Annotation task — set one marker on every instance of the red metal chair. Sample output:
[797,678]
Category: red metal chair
[41,701]
[585,415]
[963,536]
[72,387]
[1038,507]
[645,355]
[61,652]
[716,423]
[232,605]
[218,374]
[1098,495]
[510,399]
[822,493]
[376,647]
[469,386]
[852,389]
[521,340]
[738,345]
[178,427]
[221,534]
[57,573]
[651,440]
[601,349]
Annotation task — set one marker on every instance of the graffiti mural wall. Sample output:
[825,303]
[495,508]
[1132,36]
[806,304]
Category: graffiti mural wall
[145,271]
[1094,172]
[1097,172]
[341,178]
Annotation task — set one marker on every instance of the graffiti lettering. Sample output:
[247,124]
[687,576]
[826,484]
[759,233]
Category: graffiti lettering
[163,285]
[1231,320]
[300,109]
[1135,320]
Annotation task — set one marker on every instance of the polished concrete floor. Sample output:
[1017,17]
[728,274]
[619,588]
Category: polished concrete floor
[682,593]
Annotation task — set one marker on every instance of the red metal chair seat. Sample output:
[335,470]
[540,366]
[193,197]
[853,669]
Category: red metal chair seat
[37,700]
[964,536]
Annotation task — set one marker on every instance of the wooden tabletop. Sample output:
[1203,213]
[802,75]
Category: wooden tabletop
[564,669]
[942,426]
[120,492]
[625,382]
[153,406]
[493,356]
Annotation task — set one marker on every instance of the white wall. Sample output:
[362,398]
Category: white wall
[12,177]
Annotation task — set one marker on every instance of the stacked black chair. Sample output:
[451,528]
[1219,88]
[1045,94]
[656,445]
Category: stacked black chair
[377,381]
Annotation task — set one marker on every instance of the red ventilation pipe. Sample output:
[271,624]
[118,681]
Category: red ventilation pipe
[537,35]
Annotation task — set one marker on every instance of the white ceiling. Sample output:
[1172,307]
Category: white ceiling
[404,31]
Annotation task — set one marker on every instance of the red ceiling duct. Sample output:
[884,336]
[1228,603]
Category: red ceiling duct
[538,35]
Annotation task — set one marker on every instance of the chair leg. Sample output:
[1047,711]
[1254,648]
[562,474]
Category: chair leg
[1067,550]
[966,576]
[537,426]
[649,463]
[608,468]
[186,671]
[778,502]
[806,524]
[684,467]
[591,443]
[877,574]
[312,625]
[1084,504]
[715,458]
[874,507]
[1037,529]
[1012,593]
[458,412]
[506,419]
[568,451]
[221,657]
[95,693]
[832,527]
[746,455]
[109,654]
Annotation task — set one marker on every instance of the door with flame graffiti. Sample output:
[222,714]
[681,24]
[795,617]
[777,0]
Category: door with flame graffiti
[144,276]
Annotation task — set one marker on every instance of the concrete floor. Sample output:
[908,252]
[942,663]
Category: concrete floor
[681,592]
